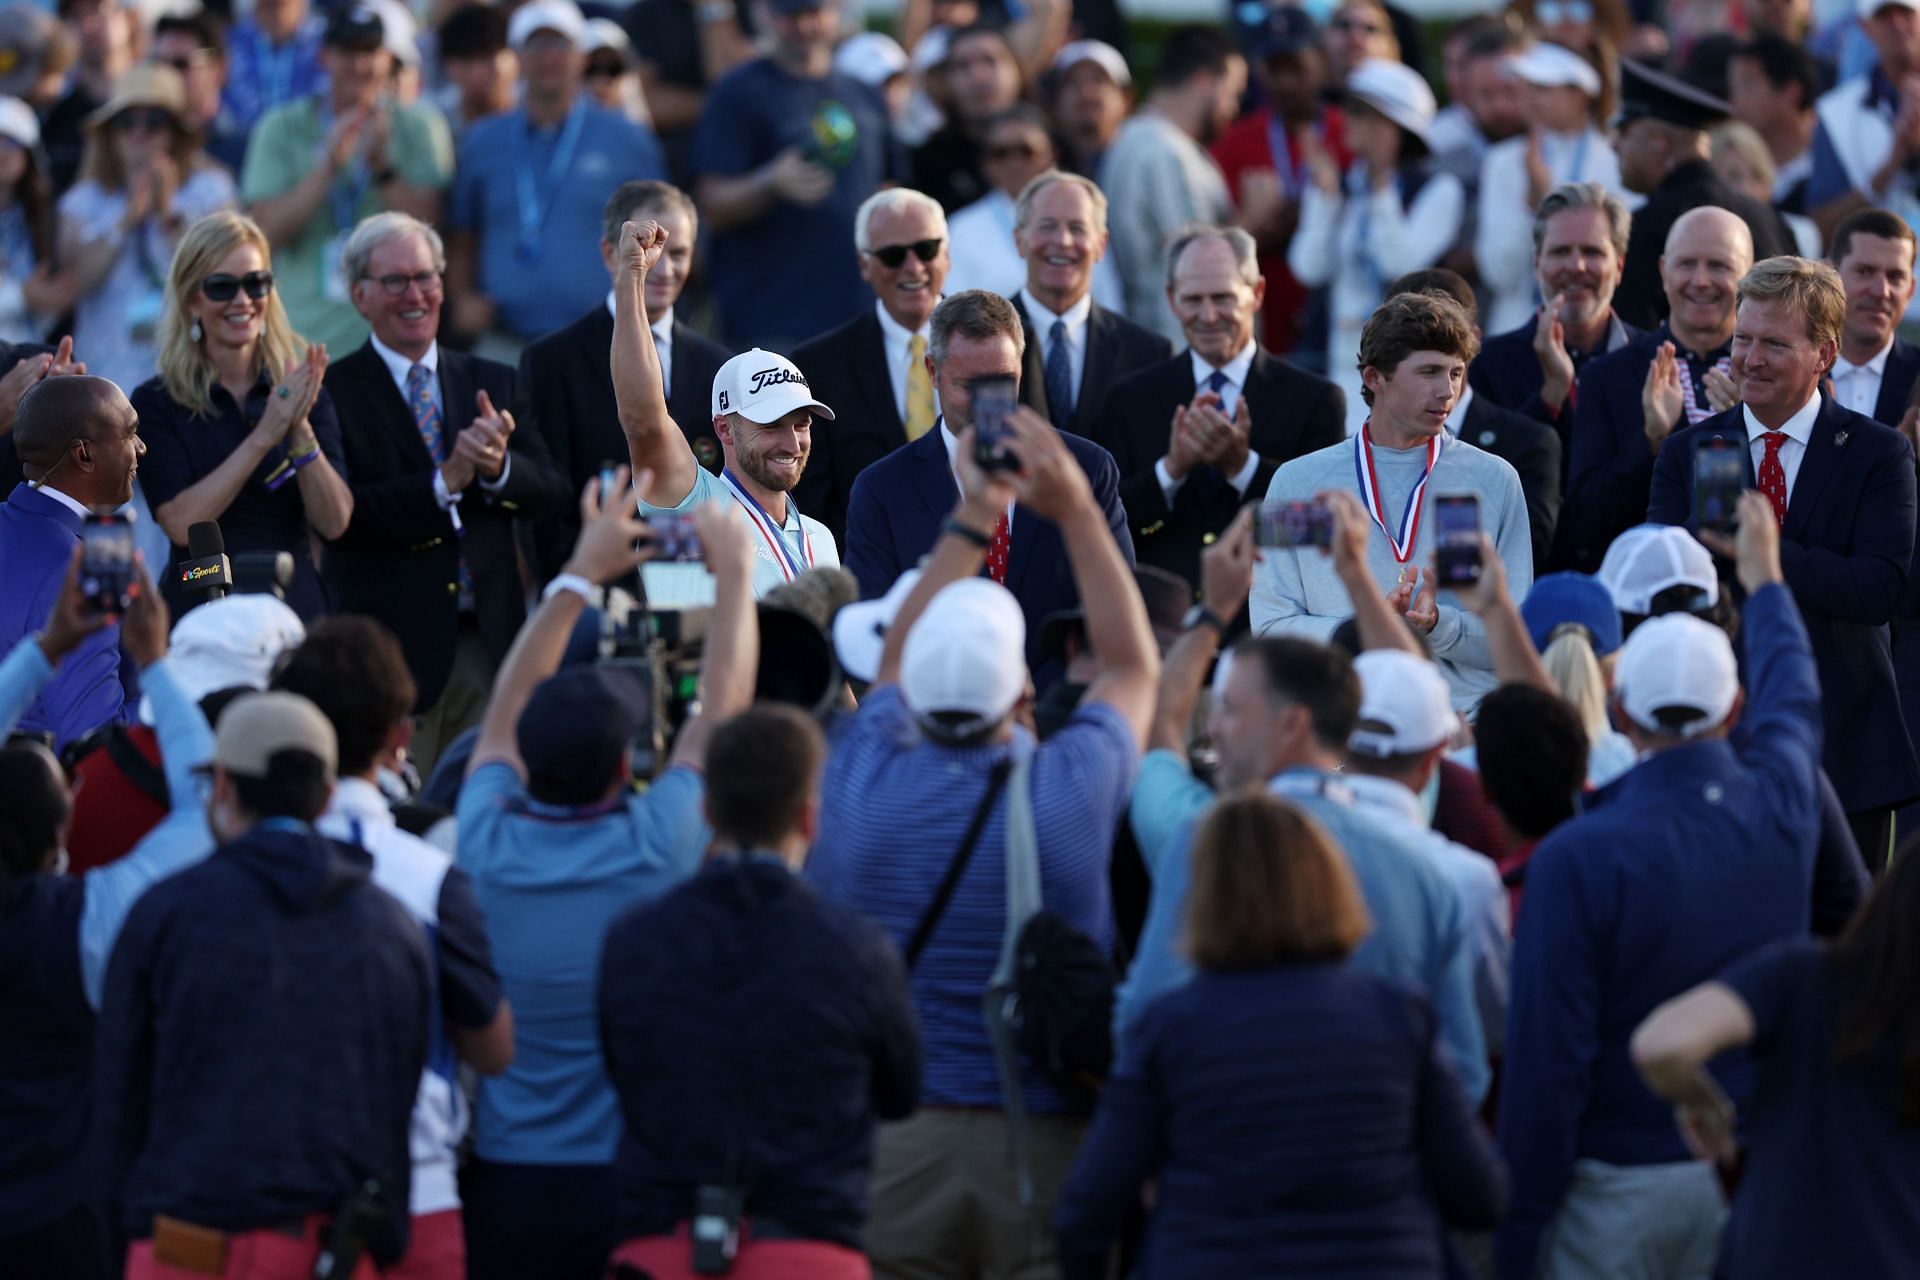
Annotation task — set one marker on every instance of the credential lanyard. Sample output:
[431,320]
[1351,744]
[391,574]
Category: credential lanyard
[1402,543]
[533,205]
[774,535]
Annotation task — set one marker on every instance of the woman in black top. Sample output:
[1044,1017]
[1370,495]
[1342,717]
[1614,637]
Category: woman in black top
[1294,1111]
[237,425]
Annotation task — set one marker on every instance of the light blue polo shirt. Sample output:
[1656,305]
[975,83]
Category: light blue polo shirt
[549,882]
[809,544]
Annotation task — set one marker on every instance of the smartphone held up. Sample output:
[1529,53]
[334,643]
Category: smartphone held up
[992,399]
[106,563]
[1456,544]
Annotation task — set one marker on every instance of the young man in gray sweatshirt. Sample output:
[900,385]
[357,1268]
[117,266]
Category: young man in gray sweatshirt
[1414,353]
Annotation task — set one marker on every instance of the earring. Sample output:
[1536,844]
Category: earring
[194,332]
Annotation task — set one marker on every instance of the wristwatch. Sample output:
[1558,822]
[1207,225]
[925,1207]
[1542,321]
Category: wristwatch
[1201,616]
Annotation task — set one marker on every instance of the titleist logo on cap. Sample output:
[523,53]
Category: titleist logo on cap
[772,378]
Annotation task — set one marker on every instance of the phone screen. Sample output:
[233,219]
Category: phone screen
[992,400]
[1293,524]
[106,563]
[1456,519]
[674,538]
[1719,474]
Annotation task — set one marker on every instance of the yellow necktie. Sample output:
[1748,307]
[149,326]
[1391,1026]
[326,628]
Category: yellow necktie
[919,390]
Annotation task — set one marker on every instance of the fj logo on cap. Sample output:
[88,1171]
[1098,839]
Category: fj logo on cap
[723,400]
[765,378]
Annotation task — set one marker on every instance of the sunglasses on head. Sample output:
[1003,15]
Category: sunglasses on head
[143,119]
[893,255]
[222,287]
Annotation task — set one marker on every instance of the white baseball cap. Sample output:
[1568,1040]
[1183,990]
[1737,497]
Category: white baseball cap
[1396,91]
[1551,66]
[1677,660]
[228,643]
[1870,7]
[1098,52]
[966,654]
[872,58]
[1648,559]
[562,16]
[18,123]
[605,33]
[1405,695]
[762,386]
[860,629]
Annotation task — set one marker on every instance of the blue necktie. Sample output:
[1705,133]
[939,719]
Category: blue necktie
[1059,376]
[1217,383]
[1211,479]
[426,416]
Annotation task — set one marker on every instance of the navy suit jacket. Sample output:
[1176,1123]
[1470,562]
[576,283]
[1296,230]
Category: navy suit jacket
[1508,373]
[1116,347]
[1532,449]
[37,536]
[1845,550]
[1896,383]
[1609,467]
[847,371]
[899,502]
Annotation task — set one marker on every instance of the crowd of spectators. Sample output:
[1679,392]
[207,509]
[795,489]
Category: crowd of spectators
[687,638]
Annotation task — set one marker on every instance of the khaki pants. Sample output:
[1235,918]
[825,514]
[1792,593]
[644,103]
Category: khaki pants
[460,705]
[946,1203]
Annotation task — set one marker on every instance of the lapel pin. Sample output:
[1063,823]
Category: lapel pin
[1839,438]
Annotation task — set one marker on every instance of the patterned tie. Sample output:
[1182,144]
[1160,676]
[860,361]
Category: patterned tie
[1773,476]
[1059,376]
[997,553]
[426,416]
[919,389]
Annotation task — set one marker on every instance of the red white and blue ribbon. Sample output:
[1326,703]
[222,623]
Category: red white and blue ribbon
[1402,543]
[771,532]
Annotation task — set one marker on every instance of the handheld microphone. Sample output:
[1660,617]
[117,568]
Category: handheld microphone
[206,570]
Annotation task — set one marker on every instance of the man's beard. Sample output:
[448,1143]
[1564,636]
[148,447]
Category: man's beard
[767,478]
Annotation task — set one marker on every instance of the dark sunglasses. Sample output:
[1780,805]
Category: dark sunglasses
[894,254]
[221,288]
[143,119]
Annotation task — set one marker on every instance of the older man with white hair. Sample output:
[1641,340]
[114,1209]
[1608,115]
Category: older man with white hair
[873,368]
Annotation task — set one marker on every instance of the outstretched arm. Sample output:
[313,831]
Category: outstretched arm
[655,445]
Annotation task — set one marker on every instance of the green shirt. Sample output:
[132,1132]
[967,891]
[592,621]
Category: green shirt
[285,148]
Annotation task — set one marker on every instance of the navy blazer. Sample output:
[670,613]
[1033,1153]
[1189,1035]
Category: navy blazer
[1116,347]
[1896,383]
[1846,549]
[900,501]
[1290,412]
[846,370]
[1508,373]
[1532,449]
[1609,465]
[37,535]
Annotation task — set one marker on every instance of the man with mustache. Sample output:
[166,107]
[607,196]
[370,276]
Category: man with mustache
[762,411]
[1628,402]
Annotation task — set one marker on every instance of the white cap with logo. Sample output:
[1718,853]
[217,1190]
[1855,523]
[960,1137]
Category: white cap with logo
[967,654]
[1650,558]
[1407,697]
[763,387]
[1677,661]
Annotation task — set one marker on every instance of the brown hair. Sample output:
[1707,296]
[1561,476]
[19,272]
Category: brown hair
[977,315]
[1269,886]
[762,767]
[1813,287]
[1410,322]
[1882,224]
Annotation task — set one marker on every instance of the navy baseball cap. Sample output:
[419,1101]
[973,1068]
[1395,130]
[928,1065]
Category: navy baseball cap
[575,729]
[1285,29]
[356,27]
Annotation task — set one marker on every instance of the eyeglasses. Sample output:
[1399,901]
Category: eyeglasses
[1011,151]
[143,120]
[222,287]
[893,255]
[395,286]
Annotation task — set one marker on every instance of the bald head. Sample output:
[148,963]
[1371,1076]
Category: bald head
[80,436]
[1707,252]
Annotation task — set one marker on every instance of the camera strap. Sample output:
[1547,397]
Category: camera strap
[923,931]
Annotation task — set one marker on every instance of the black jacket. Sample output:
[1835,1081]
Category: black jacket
[1292,413]
[847,371]
[1116,347]
[567,379]
[1530,447]
[399,559]
[1641,300]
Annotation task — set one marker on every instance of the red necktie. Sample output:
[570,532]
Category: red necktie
[997,553]
[1773,476]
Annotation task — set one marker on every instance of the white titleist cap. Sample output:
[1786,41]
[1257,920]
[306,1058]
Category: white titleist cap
[1677,661]
[763,387]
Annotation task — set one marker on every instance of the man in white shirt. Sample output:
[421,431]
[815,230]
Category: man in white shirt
[1875,372]
[873,368]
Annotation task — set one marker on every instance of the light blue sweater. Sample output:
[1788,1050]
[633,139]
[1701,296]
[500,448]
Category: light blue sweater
[1296,592]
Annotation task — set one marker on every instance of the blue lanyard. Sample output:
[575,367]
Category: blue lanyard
[1572,173]
[1293,176]
[350,187]
[533,209]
